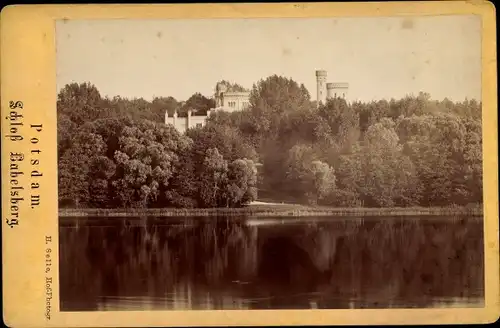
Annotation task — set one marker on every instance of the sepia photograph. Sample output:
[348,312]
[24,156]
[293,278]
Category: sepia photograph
[270,163]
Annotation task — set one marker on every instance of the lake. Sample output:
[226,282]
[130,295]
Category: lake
[270,263]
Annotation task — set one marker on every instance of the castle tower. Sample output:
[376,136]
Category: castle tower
[330,91]
[219,94]
[338,90]
[321,86]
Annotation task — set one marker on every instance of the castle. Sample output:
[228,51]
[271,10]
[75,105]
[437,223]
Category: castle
[230,99]
[326,90]
[227,98]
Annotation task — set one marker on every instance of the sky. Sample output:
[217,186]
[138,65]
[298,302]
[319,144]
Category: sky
[380,58]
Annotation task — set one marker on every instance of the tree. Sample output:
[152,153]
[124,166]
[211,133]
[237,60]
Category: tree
[350,176]
[146,158]
[297,164]
[227,139]
[436,144]
[410,105]
[279,94]
[382,136]
[304,126]
[390,176]
[110,129]
[163,105]
[322,179]
[272,97]
[74,168]
[101,170]
[213,179]
[80,102]
[414,151]
[223,118]
[135,109]
[65,130]
[242,182]
[308,178]
[343,122]
[473,161]
[371,113]
[198,104]
[232,87]
[377,170]
[183,187]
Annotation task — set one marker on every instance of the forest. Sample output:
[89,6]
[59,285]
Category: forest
[414,151]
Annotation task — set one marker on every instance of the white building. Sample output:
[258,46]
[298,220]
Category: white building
[230,100]
[226,100]
[183,123]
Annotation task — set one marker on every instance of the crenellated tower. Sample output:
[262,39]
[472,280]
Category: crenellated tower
[321,77]
[337,90]
[220,89]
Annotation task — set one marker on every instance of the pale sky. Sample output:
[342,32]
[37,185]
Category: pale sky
[378,57]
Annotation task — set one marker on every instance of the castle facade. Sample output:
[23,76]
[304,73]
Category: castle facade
[325,91]
[231,100]
[226,98]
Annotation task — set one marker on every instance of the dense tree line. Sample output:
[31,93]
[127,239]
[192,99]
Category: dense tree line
[119,153]
[408,152]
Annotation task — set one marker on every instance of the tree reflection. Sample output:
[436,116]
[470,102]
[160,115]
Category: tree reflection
[220,264]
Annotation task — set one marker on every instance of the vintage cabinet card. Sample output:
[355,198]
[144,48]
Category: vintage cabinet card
[249,164]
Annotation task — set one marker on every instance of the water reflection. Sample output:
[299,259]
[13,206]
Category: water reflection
[207,263]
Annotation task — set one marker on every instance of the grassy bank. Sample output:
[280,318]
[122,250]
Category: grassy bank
[269,210]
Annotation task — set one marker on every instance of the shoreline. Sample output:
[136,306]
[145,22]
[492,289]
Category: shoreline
[272,211]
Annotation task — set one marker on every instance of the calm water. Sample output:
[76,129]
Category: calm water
[263,263]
